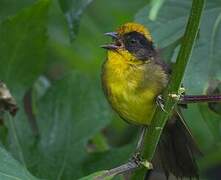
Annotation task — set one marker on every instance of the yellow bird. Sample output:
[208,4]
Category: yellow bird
[133,76]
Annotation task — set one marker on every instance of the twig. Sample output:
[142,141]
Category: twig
[186,99]
[127,167]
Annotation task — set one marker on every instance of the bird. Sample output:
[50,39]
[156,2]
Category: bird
[133,77]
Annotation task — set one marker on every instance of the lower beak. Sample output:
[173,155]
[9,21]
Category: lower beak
[110,46]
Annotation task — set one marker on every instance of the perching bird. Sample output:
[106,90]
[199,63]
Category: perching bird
[133,76]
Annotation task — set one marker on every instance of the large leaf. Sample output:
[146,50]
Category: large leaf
[22,46]
[71,112]
[11,169]
[23,40]
[22,57]
[73,10]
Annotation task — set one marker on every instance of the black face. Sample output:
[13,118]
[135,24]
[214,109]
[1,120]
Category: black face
[137,44]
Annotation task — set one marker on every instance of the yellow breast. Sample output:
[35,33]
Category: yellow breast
[131,87]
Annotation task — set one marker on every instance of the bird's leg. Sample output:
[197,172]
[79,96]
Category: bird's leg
[137,154]
[141,140]
[135,162]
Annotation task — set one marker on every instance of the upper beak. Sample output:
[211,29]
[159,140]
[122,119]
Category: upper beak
[115,36]
[112,34]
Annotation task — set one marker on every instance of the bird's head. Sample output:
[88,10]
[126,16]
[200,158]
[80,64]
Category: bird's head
[132,40]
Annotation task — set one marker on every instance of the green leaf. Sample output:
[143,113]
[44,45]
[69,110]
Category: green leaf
[155,7]
[69,114]
[22,57]
[73,10]
[23,41]
[22,46]
[199,127]
[11,169]
[173,22]
[212,159]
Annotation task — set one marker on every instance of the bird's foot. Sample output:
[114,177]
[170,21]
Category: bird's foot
[160,102]
[136,158]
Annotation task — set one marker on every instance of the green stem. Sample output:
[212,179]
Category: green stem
[155,129]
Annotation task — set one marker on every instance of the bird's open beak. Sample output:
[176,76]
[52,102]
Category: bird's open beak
[112,46]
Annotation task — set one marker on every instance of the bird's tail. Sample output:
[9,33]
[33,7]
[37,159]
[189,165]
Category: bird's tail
[177,150]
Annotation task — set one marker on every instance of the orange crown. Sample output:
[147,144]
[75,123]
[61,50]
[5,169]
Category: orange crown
[130,27]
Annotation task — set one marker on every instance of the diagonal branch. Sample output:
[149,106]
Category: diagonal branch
[154,131]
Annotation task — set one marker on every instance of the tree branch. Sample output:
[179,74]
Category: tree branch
[155,129]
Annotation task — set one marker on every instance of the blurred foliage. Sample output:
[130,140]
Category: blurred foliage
[11,169]
[77,132]
[73,10]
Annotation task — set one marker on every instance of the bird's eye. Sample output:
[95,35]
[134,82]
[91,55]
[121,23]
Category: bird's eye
[133,41]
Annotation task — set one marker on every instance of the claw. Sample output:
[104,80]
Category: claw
[160,102]
[136,158]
